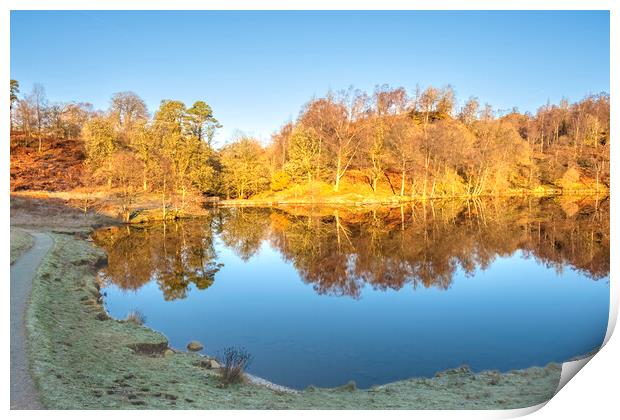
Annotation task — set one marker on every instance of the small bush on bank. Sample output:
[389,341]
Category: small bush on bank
[136,317]
[235,361]
[280,181]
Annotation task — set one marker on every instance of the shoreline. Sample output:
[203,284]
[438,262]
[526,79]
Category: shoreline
[105,363]
[403,200]
[145,211]
[351,386]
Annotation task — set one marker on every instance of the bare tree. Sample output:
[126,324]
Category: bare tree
[13,97]
[37,102]
[338,123]
[404,145]
[127,180]
[469,112]
[127,108]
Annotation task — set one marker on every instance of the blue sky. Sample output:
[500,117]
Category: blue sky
[257,69]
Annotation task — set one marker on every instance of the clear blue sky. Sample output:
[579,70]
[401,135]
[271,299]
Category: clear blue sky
[257,69]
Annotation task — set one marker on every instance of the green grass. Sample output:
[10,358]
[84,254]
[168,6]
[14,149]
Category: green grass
[21,241]
[81,359]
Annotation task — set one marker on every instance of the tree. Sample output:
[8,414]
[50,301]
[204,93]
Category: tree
[203,163]
[445,154]
[487,114]
[445,101]
[245,167]
[347,131]
[497,150]
[100,142]
[125,175]
[428,103]
[279,146]
[375,149]
[189,158]
[37,101]
[55,124]
[389,101]
[13,98]
[144,144]
[168,128]
[200,121]
[469,112]
[388,104]
[404,144]
[162,183]
[24,117]
[337,123]
[303,153]
[73,117]
[127,109]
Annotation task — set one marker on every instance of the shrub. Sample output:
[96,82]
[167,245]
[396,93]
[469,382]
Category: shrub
[235,361]
[494,377]
[570,178]
[136,317]
[280,181]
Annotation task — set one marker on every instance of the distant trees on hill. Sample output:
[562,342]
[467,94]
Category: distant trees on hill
[419,144]
[37,118]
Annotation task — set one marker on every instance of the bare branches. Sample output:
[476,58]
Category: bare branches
[235,361]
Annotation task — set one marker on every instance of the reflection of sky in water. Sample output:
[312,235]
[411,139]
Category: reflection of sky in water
[513,315]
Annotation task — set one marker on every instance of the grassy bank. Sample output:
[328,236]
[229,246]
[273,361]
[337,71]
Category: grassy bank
[83,359]
[21,241]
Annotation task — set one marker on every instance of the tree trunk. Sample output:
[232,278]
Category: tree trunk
[318,160]
[338,165]
[597,178]
[389,183]
[109,173]
[183,197]
[163,201]
[402,183]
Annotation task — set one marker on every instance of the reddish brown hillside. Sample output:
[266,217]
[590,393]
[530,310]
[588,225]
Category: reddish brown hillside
[58,167]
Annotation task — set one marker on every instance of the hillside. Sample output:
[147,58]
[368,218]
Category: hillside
[58,167]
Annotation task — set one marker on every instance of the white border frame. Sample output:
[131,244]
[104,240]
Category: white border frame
[592,394]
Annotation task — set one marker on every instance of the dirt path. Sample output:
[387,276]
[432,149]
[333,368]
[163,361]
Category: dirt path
[23,392]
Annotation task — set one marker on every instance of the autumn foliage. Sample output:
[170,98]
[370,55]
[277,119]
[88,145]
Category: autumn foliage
[407,145]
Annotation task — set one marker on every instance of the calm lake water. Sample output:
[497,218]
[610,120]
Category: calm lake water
[323,296]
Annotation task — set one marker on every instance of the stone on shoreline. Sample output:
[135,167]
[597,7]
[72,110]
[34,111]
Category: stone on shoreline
[209,364]
[195,346]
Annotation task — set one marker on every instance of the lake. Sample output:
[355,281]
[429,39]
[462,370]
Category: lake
[322,295]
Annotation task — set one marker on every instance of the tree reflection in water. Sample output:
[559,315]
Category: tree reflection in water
[174,255]
[340,251]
